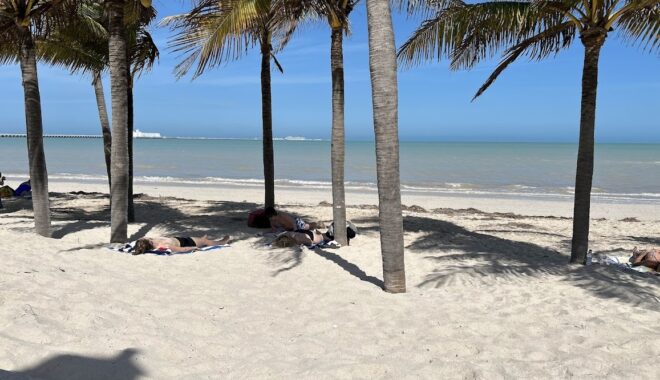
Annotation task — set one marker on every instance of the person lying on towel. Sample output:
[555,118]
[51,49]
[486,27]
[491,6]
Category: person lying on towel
[176,244]
[649,258]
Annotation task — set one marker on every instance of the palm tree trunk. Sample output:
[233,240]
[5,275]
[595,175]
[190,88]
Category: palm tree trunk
[338,136]
[105,122]
[267,118]
[382,65]
[131,206]
[35,137]
[119,85]
[593,43]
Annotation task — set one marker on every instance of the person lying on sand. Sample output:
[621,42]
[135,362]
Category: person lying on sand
[287,222]
[176,244]
[306,237]
[649,258]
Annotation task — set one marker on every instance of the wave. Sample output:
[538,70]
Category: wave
[446,189]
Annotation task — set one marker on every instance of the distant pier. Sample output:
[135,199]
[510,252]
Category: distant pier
[23,135]
[137,135]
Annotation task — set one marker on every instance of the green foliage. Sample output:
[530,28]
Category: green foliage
[469,33]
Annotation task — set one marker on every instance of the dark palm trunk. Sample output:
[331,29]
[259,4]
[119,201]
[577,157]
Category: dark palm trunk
[105,122]
[593,42]
[119,85]
[131,206]
[382,65]
[337,151]
[35,138]
[267,117]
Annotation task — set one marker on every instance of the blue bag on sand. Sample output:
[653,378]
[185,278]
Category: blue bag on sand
[23,188]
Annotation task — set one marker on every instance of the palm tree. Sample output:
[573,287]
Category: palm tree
[382,64]
[216,31]
[119,78]
[338,21]
[20,22]
[81,46]
[538,29]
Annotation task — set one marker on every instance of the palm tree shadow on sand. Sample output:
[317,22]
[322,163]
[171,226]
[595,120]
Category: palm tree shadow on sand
[73,367]
[463,257]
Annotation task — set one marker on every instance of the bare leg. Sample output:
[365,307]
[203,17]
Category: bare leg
[205,241]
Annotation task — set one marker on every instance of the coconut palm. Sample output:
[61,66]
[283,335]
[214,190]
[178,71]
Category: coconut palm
[216,31]
[21,22]
[469,33]
[382,65]
[118,53]
[338,21]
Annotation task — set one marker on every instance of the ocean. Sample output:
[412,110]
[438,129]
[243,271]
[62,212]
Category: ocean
[623,172]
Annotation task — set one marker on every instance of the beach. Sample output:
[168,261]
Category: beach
[490,294]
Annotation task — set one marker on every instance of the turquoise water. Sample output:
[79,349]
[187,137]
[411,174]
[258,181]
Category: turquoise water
[623,171]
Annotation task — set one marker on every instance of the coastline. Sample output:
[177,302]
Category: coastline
[300,195]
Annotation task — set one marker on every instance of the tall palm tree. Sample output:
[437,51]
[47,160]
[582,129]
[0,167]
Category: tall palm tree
[382,65]
[538,29]
[119,79]
[20,22]
[338,21]
[216,31]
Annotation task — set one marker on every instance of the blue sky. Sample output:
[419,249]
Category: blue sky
[532,101]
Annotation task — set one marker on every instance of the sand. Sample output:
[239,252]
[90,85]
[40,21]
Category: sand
[489,293]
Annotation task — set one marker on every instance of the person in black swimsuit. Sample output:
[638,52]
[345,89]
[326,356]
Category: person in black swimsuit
[175,244]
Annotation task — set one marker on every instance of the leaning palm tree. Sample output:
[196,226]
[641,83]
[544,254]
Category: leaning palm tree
[216,31]
[21,22]
[382,65]
[469,33]
[81,46]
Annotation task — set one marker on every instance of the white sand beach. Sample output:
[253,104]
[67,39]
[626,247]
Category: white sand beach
[490,294]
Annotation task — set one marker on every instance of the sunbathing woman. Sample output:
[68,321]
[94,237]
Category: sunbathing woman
[648,258]
[300,237]
[176,244]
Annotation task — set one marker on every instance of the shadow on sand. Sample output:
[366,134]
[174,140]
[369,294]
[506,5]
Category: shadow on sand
[464,256]
[122,366]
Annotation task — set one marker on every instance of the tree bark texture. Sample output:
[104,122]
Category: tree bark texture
[267,118]
[35,137]
[119,85]
[382,65]
[129,136]
[593,43]
[338,136]
[97,82]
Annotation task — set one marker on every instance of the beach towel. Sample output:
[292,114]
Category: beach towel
[130,247]
[620,262]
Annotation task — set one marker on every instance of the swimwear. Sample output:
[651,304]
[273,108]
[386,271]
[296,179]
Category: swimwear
[300,224]
[308,233]
[186,242]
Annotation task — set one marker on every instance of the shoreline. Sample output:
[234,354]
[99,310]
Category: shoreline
[649,211]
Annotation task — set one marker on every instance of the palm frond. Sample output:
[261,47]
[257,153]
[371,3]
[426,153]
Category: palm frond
[536,47]
[641,25]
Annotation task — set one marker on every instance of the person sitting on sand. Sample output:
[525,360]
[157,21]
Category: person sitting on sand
[175,244]
[287,222]
[649,258]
